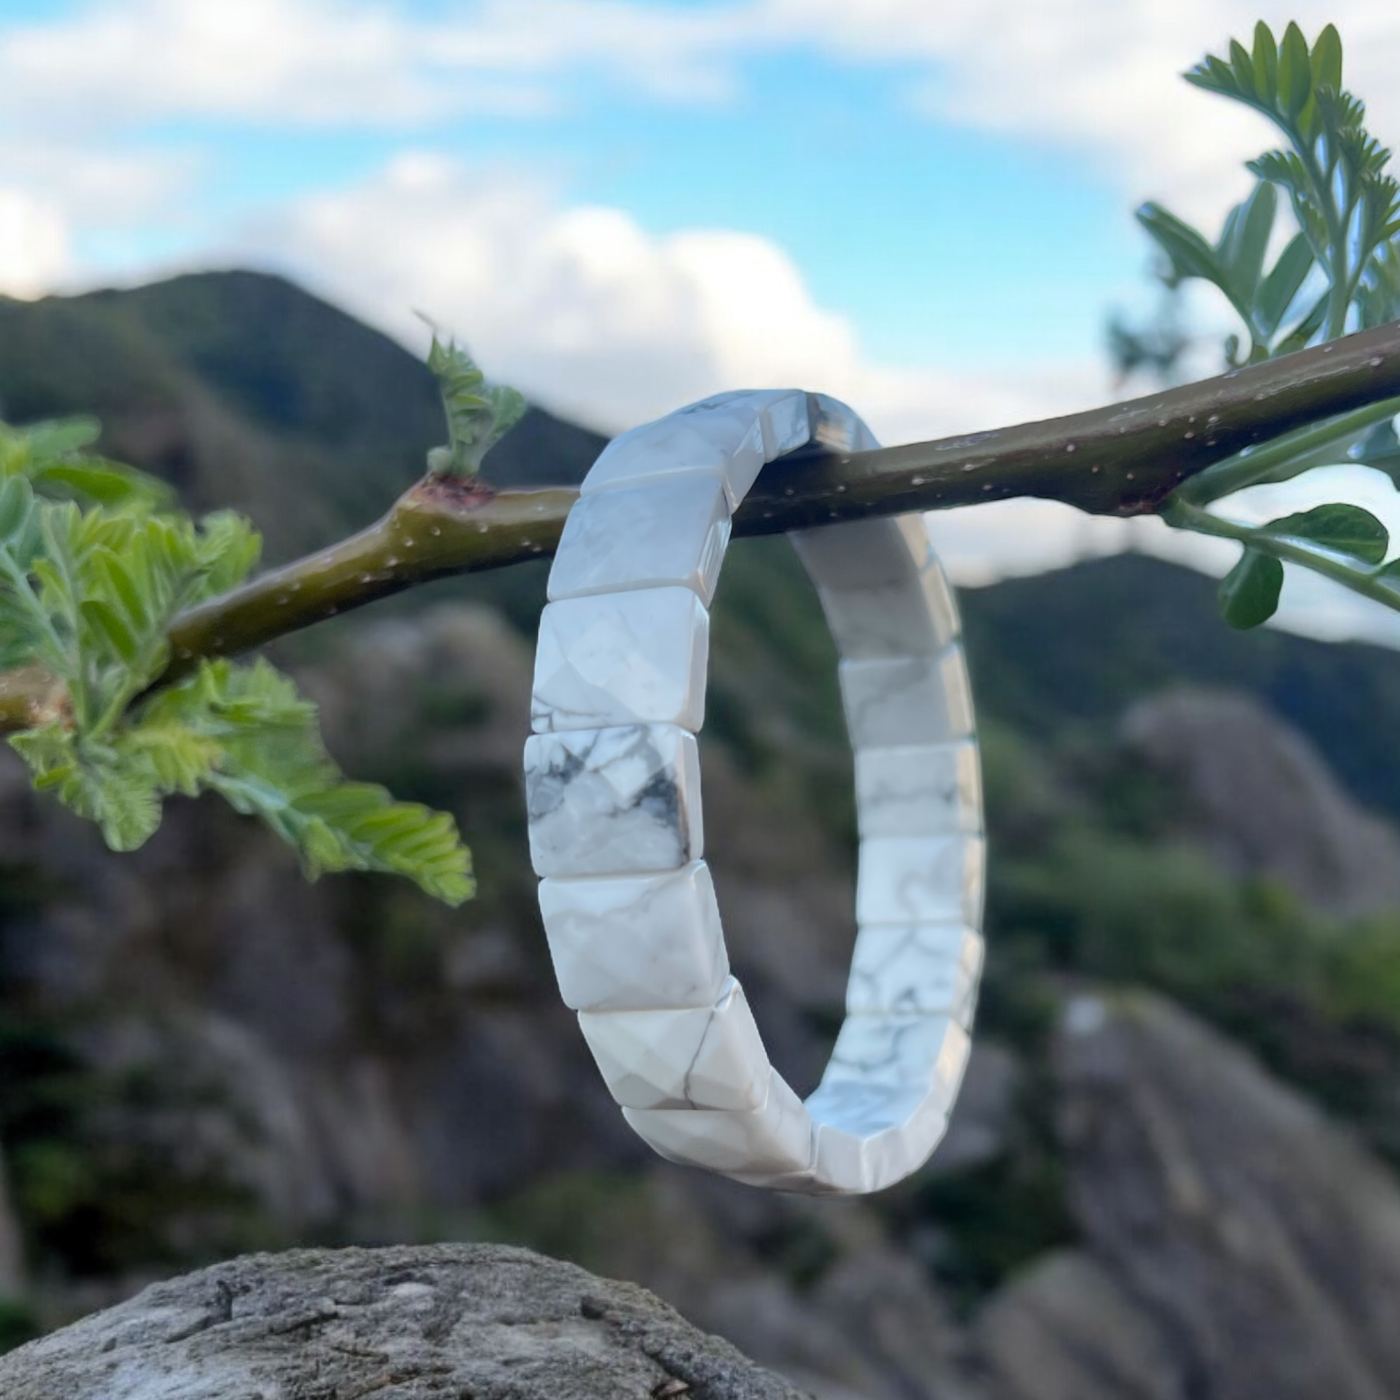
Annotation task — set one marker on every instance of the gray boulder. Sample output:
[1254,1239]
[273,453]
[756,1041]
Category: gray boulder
[439,1322]
[1268,803]
[1236,1244]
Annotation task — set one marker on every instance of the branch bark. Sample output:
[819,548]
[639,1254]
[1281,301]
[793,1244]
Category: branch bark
[1125,459]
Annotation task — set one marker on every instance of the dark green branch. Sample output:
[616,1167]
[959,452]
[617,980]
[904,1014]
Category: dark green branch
[1125,459]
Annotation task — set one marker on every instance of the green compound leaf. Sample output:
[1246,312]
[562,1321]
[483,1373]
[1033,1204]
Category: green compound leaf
[91,594]
[1295,78]
[1345,529]
[94,782]
[1246,236]
[478,414]
[1249,593]
[108,624]
[178,758]
[1265,61]
[273,765]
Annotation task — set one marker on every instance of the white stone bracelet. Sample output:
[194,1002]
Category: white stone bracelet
[613,789]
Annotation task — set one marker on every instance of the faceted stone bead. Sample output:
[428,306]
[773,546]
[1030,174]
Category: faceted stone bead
[622,658]
[837,427]
[863,555]
[723,441]
[705,1057]
[919,789]
[767,1142]
[613,801]
[915,617]
[906,700]
[784,415]
[670,531]
[869,1136]
[883,593]
[927,1051]
[920,880]
[633,942]
[915,969]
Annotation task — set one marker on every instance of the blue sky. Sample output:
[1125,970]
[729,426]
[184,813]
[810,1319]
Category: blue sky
[623,205]
[921,231]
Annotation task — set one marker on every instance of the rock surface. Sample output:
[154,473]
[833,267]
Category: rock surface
[1237,1245]
[1270,804]
[439,1322]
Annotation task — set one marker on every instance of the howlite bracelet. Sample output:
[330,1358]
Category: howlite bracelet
[613,792]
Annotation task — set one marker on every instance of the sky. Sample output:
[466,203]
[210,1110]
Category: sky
[621,206]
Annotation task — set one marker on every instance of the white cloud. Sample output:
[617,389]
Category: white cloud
[1102,76]
[53,193]
[343,62]
[34,244]
[592,315]
[309,60]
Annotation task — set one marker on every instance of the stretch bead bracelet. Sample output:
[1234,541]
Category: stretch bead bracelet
[613,791]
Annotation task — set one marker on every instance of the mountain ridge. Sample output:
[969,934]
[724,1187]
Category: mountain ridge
[243,389]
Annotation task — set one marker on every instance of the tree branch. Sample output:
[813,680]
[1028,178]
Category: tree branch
[1125,459]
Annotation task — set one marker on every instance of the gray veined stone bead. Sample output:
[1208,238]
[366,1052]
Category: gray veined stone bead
[930,1051]
[897,701]
[919,789]
[915,969]
[612,801]
[723,441]
[690,1057]
[920,880]
[772,1140]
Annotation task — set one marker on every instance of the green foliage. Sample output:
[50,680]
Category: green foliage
[272,764]
[478,414]
[1249,592]
[90,595]
[1339,271]
[1081,893]
[1343,529]
[52,458]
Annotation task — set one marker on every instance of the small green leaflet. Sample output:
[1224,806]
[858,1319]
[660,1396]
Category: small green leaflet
[1249,592]
[1344,529]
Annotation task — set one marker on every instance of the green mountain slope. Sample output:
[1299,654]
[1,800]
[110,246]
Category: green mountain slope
[243,389]
[1071,650]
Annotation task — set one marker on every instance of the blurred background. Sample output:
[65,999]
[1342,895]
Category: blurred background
[1173,1169]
